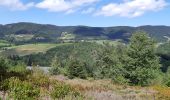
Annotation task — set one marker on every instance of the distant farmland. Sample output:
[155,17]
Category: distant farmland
[28,49]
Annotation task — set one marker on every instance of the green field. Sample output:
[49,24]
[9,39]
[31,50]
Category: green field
[4,43]
[20,37]
[27,49]
[23,37]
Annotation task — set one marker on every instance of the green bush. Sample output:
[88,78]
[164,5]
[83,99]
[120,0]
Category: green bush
[4,65]
[22,90]
[19,71]
[61,90]
[167,77]
[19,68]
[39,78]
[56,66]
[77,68]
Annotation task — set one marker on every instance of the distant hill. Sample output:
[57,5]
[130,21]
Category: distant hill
[52,33]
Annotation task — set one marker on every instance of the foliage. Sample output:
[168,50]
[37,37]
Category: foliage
[164,48]
[109,63]
[76,68]
[34,85]
[61,90]
[141,63]
[167,78]
[39,78]
[9,69]
[4,65]
[56,66]
[22,90]
[163,51]
[137,63]
[62,53]
[19,68]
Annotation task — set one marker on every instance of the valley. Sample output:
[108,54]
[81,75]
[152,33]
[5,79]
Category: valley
[84,63]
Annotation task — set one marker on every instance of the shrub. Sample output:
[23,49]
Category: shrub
[19,68]
[39,78]
[56,66]
[19,71]
[22,90]
[77,68]
[61,90]
[4,64]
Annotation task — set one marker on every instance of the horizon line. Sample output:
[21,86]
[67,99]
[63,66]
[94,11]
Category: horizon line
[84,25]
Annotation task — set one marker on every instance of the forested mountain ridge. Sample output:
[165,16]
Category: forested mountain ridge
[50,33]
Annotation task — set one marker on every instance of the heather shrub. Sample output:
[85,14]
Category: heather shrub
[60,90]
[39,78]
[22,90]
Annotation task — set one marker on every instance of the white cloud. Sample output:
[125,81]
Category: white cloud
[128,8]
[131,8]
[15,4]
[88,11]
[68,6]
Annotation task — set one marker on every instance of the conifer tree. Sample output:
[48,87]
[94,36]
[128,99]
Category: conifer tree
[142,63]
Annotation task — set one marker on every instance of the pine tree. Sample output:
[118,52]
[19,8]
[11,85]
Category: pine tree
[142,63]
[4,65]
[56,66]
[109,63]
[77,68]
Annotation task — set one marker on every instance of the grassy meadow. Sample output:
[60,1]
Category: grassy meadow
[28,49]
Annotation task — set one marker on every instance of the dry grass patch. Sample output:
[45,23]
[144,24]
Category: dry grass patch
[106,90]
[163,92]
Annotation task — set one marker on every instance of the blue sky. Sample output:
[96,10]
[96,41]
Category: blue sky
[86,12]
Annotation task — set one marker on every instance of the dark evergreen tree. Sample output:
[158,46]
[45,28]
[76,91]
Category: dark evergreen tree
[3,68]
[109,63]
[76,68]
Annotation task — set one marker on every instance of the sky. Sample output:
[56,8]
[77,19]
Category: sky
[101,13]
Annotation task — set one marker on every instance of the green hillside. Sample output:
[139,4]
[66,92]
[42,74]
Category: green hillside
[50,33]
[64,51]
